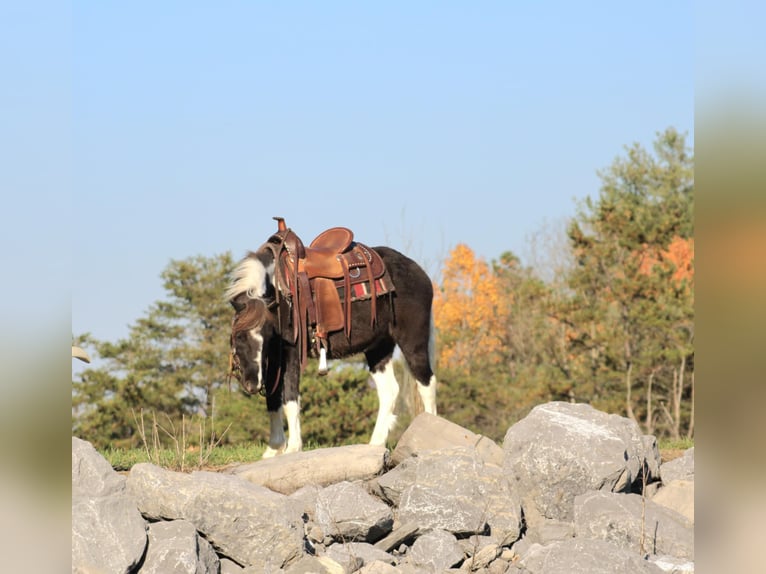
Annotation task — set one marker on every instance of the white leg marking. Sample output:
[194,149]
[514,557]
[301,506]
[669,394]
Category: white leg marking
[428,395]
[276,436]
[388,390]
[293,415]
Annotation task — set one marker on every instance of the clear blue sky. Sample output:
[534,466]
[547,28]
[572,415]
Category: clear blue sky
[418,124]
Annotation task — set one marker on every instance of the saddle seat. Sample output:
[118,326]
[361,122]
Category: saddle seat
[321,256]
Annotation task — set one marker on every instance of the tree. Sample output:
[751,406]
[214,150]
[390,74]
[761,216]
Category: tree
[468,308]
[631,307]
[170,365]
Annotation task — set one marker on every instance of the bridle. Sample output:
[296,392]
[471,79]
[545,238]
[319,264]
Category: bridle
[235,367]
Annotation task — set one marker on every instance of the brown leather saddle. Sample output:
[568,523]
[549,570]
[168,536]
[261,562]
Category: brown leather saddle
[322,280]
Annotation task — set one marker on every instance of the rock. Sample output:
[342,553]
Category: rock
[584,556]
[436,550]
[562,449]
[626,520]
[566,483]
[176,548]
[92,475]
[248,523]
[347,512]
[366,553]
[454,490]
[404,533]
[677,495]
[108,534]
[429,432]
[108,531]
[287,473]
[681,468]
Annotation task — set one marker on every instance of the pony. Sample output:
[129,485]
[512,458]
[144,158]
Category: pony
[274,331]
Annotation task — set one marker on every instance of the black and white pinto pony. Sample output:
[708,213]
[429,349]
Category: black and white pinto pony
[269,363]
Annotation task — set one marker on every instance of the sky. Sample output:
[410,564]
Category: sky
[419,125]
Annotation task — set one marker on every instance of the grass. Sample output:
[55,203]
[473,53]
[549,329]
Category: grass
[670,449]
[207,451]
[193,458]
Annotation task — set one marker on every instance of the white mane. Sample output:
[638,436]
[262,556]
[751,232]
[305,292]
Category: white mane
[249,277]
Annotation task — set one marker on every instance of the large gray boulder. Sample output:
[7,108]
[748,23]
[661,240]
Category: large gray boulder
[290,472]
[454,490]
[431,432]
[681,468]
[176,547]
[436,550]
[347,512]
[583,556]
[248,523]
[108,531]
[677,495]
[633,523]
[563,449]
[108,534]
[92,475]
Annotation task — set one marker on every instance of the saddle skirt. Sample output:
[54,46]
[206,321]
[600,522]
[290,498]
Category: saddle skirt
[323,279]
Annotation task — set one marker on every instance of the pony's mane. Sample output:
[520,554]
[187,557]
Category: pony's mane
[250,277]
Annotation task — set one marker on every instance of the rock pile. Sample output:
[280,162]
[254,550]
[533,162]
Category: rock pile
[571,490]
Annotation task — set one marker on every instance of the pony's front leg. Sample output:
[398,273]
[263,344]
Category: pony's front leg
[277,440]
[293,415]
[292,400]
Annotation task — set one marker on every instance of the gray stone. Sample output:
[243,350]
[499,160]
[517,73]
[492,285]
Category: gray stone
[436,550]
[677,495]
[431,432]
[108,534]
[176,548]
[626,520]
[562,449]
[584,556]
[455,490]
[379,567]
[347,512]
[316,565]
[681,468]
[364,552]
[92,475]
[248,523]
[230,567]
[672,565]
[287,473]
[399,535]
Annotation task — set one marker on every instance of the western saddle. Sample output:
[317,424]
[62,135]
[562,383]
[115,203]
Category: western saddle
[322,280]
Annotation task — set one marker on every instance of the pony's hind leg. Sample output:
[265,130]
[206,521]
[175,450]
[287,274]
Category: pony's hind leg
[427,394]
[419,358]
[388,390]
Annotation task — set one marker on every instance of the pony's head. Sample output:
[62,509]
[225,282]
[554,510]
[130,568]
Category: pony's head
[254,332]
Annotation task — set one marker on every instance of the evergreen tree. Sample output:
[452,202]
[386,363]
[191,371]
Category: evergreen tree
[630,310]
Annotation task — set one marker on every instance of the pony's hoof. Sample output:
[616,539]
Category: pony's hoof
[272,452]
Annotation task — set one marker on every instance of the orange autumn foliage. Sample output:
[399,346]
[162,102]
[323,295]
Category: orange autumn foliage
[679,254]
[470,310]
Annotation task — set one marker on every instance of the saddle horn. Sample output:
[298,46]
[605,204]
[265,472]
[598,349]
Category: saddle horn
[281,226]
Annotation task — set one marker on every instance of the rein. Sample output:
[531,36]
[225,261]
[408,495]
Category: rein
[235,369]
